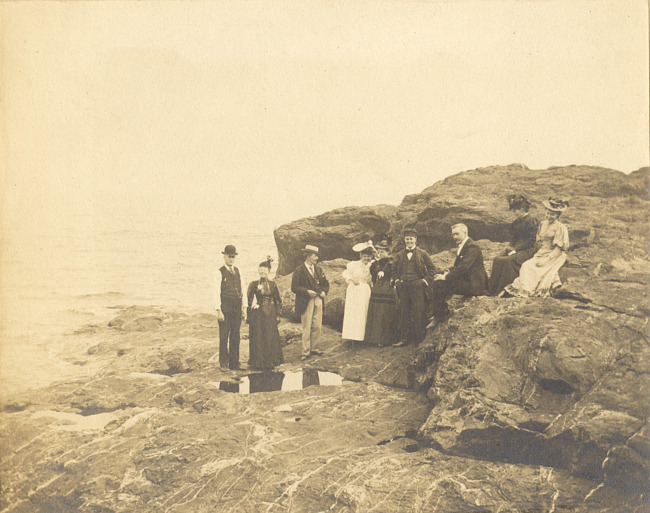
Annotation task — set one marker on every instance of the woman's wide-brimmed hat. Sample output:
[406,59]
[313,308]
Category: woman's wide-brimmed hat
[363,246]
[555,204]
[384,243]
[309,249]
[518,202]
[229,250]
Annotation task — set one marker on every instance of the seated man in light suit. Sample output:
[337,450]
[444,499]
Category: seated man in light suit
[466,277]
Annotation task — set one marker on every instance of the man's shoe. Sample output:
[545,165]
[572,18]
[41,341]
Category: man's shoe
[224,368]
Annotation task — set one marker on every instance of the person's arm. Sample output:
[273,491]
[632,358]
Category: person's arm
[217,298]
[429,267]
[325,285]
[465,263]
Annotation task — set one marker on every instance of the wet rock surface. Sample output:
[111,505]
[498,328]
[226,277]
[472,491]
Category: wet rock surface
[154,430]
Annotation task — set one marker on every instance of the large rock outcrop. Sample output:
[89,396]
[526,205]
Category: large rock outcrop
[601,200]
[334,233]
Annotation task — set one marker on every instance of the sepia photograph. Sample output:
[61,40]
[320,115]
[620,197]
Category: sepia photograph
[313,256]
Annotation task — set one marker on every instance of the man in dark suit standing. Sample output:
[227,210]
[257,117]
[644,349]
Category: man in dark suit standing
[229,309]
[310,286]
[466,277]
[414,272]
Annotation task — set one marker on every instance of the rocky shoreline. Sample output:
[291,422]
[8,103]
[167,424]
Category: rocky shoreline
[515,405]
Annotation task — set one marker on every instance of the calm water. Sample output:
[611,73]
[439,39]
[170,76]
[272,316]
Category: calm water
[54,284]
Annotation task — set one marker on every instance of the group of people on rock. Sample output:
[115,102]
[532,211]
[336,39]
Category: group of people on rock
[389,299]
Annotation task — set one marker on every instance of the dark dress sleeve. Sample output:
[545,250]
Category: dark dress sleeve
[252,287]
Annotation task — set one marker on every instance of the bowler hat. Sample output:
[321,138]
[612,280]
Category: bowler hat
[310,249]
[409,232]
[229,250]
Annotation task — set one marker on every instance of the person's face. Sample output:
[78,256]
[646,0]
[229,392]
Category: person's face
[366,258]
[229,259]
[458,234]
[312,259]
[410,241]
[264,271]
[382,253]
[552,216]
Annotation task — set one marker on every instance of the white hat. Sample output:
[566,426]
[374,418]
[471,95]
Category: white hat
[362,245]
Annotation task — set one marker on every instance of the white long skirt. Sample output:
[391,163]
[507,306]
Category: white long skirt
[357,298]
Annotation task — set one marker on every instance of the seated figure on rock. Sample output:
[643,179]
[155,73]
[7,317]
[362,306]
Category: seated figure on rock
[538,276]
[505,268]
[467,276]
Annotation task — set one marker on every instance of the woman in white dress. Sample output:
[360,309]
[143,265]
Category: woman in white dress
[538,276]
[357,297]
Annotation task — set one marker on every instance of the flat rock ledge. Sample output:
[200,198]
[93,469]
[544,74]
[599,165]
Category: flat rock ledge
[152,430]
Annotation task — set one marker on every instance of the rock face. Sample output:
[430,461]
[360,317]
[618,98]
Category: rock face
[478,199]
[157,429]
[559,382]
[334,233]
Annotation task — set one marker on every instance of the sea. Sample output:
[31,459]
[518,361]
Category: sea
[54,284]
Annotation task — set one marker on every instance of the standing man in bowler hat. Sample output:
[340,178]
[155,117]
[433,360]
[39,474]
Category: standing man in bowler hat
[310,286]
[414,272]
[230,310]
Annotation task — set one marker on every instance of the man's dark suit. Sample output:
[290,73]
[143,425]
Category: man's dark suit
[413,293]
[302,281]
[310,309]
[467,277]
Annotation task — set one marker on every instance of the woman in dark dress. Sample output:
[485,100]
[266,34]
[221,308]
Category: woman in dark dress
[264,305]
[523,230]
[381,324]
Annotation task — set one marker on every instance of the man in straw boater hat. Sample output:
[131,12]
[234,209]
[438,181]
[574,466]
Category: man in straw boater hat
[230,309]
[310,286]
[414,272]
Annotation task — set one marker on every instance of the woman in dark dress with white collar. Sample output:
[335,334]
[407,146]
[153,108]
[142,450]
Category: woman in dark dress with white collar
[264,305]
[381,325]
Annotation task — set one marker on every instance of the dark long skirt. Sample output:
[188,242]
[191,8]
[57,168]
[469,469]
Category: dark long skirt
[264,338]
[505,269]
[382,321]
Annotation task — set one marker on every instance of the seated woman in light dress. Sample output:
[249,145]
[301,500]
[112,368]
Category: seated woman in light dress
[357,295]
[539,275]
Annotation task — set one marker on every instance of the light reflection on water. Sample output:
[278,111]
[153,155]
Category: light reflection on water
[279,381]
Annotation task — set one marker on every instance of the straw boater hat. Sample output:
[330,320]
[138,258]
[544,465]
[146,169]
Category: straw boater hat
[229,250]
[362,246]
[309,249]
[555,204]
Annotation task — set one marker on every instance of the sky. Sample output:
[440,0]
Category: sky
[174,114]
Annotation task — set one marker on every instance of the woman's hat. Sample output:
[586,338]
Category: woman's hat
[229,250]
[518,202]
[363,246]
[409,232]
[384,243]
[267,262]
[556,205]
[309,249]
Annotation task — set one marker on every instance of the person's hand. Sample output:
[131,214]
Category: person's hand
[220,316]
[312,293]
[439,277]
[255,307]
[322,294]
[511,252]
[356,282]
[541,262]
[380,274]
